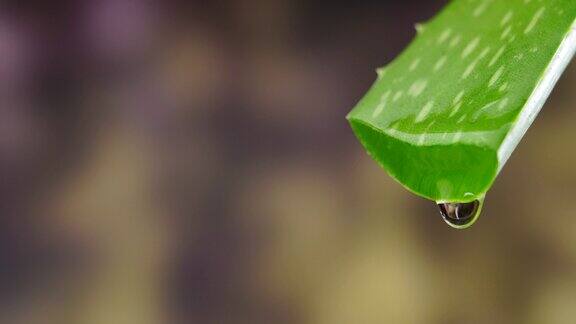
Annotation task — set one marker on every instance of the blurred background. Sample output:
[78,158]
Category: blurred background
[166,161]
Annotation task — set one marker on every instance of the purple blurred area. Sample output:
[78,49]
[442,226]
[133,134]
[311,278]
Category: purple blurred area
[189,162]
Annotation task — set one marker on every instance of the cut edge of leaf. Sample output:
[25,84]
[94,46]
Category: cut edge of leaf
[435,172]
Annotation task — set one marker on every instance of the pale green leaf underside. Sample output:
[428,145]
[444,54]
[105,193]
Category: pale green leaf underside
[445,115]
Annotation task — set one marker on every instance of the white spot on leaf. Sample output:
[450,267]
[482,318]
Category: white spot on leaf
[425,111]
[456,108]
[458,97]
[469,69]
[472,65]
[484,52]
[418,87]
[534,20]
[506,18]
[440,63]
[503,103]
[506,32]
[480,9]
[485,111]
[496,76]
[455,41]
[497,56]
[414,64]
[470,47]
[444,36]
[381,105]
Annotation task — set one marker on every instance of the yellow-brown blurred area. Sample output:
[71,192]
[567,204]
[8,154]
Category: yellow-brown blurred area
[167,161]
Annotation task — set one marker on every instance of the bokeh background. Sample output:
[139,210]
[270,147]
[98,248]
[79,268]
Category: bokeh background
[167,161]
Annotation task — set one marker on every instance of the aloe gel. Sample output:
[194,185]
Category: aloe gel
[443,118]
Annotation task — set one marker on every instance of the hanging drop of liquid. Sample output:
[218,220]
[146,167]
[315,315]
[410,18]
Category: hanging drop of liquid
[460,215]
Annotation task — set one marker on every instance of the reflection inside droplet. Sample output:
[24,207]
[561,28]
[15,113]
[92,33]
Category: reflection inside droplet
[460,215]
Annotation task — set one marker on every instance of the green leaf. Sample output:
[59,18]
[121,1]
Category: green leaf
[444,116]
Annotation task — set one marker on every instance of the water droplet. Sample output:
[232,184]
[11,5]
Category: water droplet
[460,215]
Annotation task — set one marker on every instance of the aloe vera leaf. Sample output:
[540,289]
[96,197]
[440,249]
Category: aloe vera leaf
[446,114]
